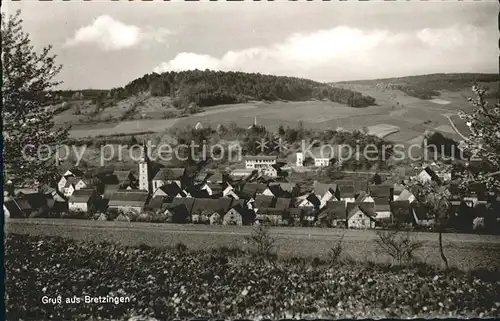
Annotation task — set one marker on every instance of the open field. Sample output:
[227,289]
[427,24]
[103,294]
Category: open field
[464,251]
[408,117]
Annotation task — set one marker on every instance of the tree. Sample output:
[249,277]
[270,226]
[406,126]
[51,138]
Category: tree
[435,200]
[483,143]
[29,133]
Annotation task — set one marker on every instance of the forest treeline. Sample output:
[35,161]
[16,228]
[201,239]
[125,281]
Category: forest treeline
[208,88]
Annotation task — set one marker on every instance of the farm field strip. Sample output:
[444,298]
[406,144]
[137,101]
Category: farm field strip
[464,251]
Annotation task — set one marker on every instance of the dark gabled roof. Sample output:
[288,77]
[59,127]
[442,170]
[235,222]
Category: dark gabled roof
[271,211]
[240,202]
[367,208]
[379,191]
[167,174]
[380,207]
[346,190]
[282,203]
[81,195]
[187,202]
[171,189]
[335,210]
[216,187]
[322,188]
[263,201]
[249,190]
[127,197]
[31,201]
[219,205]
[181,210]
[277,191]
[157,202]
[245,213]
[314,199]
[288,187]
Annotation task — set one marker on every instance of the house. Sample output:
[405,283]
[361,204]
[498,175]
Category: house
[258,162]
[287,190]
[168,175]
[203,208]
[362,197]
[271,171]
[274,211]
[156,202]
[217,189]
[124,200]
[361,215]
[83,200]
[179,210]
[321,189]
[383,193]
[427,175]
[198,126]
[334,214]
[239,215]
[320,157]
[177,214]
[216,219]
[28,205]
[310,200]
[170,189]
[250,190]
[264,201]
[405,195]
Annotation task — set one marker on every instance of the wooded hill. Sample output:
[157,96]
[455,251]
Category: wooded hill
[209,88]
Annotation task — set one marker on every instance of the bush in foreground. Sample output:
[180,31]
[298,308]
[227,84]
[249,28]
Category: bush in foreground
[223,283]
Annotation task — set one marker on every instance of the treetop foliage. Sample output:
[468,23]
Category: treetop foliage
[28,128]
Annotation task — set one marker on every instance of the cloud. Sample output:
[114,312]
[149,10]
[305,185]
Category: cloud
[344,51]
[110,34]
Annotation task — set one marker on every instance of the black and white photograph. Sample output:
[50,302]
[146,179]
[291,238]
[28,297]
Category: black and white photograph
[253,160]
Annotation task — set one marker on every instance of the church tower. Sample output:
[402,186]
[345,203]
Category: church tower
[144,169]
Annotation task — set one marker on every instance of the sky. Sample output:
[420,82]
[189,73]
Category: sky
[108,44]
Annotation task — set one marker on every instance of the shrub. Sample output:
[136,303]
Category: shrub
[335,252]
[400,246]
[262,243]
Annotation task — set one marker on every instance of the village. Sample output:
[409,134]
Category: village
[256,193]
